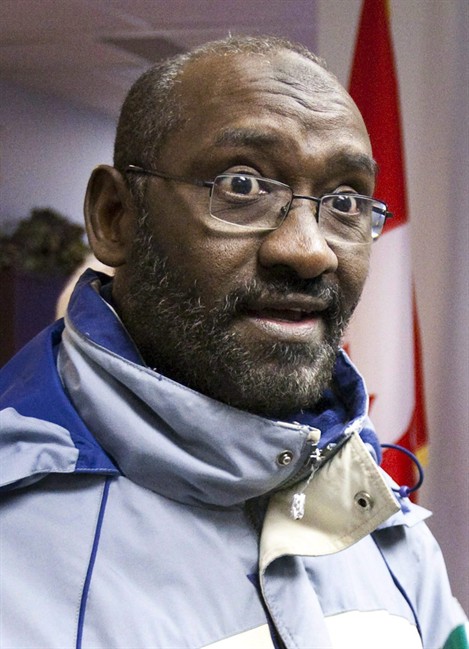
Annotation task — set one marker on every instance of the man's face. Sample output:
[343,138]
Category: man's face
[253,319]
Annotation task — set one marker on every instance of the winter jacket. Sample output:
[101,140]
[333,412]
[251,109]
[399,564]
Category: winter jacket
[136,513]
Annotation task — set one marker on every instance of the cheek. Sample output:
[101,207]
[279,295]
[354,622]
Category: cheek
[203,250]
[354,264]
[219,265]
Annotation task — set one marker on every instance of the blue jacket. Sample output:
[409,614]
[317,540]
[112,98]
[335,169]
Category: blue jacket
[139,514]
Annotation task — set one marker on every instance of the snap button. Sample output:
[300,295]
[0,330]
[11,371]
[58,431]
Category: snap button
[364,500]
[284,458]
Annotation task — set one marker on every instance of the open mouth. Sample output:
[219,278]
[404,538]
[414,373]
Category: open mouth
[294,316]
[284,315]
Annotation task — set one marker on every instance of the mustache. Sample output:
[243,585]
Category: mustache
[241,298]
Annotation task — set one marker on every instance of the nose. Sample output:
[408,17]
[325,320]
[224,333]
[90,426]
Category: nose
[299,244]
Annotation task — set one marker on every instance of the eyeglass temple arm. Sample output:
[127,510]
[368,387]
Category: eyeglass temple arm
[180,179]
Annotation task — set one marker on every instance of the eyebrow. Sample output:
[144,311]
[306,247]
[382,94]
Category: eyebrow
[244,137]
[349,161]
[340,161]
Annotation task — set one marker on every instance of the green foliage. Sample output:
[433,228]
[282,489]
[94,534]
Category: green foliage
[46,243]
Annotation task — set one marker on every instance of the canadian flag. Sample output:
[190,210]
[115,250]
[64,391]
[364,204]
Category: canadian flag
[383,338]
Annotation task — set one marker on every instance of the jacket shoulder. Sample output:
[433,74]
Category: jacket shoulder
[37,417]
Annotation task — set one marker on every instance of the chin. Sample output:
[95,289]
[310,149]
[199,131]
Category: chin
[278,391]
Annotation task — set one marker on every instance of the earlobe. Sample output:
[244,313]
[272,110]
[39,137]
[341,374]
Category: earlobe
[109,216]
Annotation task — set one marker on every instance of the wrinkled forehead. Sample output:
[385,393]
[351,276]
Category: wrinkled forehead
[280,81]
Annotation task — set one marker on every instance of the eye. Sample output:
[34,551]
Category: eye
[345,203]
[240,185]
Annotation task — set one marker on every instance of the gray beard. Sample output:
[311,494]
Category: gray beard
[184,340]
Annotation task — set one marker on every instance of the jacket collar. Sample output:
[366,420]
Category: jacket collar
[174,440]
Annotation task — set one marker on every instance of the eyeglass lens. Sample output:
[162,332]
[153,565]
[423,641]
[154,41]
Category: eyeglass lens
[252,202]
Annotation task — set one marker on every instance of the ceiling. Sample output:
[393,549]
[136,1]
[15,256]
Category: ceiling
[90,51]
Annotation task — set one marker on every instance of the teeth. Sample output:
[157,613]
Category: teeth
[292,315]
[296,315]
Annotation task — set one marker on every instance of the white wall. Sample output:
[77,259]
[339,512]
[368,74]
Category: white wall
[432,57]
[47,150]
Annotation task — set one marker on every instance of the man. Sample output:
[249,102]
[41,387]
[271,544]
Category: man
[189,462]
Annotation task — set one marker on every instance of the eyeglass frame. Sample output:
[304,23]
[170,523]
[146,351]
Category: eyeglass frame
[131,168]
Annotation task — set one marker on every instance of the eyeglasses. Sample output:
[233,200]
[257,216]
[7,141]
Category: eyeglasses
[255,203]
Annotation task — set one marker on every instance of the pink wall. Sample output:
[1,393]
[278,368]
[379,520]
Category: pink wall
[48,148]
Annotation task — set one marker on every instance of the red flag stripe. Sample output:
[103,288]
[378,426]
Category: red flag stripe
[373,86]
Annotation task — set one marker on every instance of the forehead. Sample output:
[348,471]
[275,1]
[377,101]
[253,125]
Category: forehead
[264,102]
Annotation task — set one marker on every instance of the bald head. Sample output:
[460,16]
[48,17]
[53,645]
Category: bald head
[153,107]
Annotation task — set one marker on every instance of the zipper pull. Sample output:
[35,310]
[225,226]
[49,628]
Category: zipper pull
[317,458]
[297,509]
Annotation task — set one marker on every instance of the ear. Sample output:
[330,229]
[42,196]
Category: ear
[109,215]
